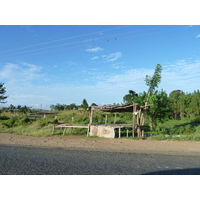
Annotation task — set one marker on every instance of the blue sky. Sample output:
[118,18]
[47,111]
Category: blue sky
[44,65]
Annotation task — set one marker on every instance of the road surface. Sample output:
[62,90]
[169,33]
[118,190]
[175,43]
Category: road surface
[27,160]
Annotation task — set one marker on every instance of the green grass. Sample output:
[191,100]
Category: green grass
[178,130]
[186,129]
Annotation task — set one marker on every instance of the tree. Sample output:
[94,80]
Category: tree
[193,104]
[153,96]
[160,110]
[59,107]
[84,104]
[72,106]
[12,108]
[2,93]
[52,107]
[177,102]
[130,97]
[153,81]
[24,110]
[94,104]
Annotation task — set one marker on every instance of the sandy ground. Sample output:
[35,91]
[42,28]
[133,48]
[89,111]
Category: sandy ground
[100,143]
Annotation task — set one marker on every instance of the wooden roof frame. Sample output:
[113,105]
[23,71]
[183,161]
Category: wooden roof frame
[125,108]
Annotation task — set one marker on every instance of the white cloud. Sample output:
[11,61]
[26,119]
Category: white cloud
[183,75]
[20,73]
[95,58]
[96,49]
[198,36]
[23,88]
[20,82]
[70,63]
[112,57]
[118,65]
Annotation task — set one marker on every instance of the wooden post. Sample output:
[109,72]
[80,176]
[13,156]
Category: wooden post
[119,132]
[133,126]
[61,129]
[88,131]
[139,123]
[126,132]
[106,119]
[53,129]
[72,118]
[64,130]
[142,123]
[91,115]
[90,123]
[115,118]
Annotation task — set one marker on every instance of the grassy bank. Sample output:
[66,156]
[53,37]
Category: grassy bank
[41,124]
[185,129]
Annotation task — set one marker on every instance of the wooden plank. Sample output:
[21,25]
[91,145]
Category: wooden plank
[72,126]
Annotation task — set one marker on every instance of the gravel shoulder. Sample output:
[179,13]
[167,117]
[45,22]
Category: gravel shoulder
[100,143]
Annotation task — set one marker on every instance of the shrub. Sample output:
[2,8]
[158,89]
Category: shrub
[55,121]
[189,129]
[197,129]
[9,123]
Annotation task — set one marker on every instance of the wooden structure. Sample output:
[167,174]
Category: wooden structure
[108,130]
[63,127]
[138,119]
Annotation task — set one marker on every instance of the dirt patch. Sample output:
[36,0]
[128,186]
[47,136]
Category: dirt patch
[100,143]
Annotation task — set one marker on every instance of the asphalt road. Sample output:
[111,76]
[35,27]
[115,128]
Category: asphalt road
[29,160]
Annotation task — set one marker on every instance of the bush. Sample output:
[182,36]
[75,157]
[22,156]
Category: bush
[9,123]
[189,129]
[55,121]
[4,117]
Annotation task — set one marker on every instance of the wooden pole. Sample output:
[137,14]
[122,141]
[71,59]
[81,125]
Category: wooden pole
[126,132]
[90,123]
[119,132]
[115,118]
[64,131]
[72,118]
[91,115]
[139,123]
[133,126]
[53,129]
[106,119]
[142,124]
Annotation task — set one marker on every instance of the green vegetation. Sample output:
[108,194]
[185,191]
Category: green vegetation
[2,93]
[170,117]
[40,122]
